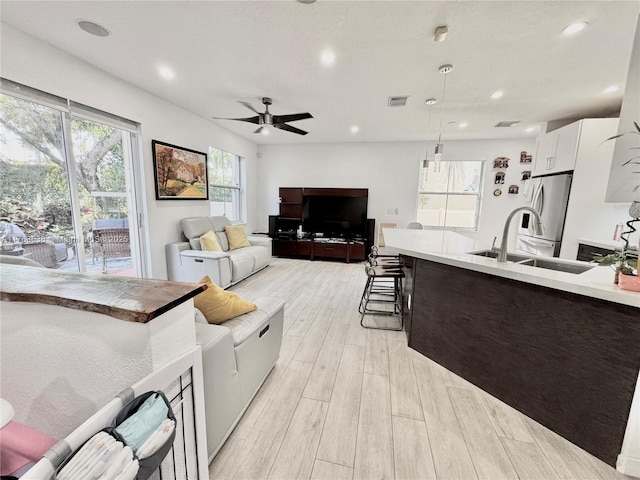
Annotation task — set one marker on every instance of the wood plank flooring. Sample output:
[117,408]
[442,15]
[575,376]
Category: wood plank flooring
[343,402]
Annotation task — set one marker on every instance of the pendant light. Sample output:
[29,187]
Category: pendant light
[444,70]
[431,102]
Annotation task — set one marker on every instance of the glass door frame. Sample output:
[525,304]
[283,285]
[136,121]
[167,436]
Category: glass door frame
[131,145]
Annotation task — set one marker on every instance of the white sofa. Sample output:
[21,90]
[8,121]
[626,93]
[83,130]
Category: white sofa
[237,356]
[187,262]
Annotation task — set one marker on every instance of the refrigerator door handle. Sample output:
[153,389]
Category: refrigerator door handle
[541,199]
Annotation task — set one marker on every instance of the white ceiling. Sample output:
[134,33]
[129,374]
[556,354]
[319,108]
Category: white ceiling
[228,51]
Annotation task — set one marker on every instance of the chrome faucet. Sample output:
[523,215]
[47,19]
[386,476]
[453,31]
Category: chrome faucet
[537,225]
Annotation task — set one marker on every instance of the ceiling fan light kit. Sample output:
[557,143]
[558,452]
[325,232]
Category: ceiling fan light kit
[266,118]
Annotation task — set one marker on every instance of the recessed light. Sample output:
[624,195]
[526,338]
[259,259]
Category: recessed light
[166,72]
[611,89]
[530,129]
[355,129]
[328,58]
[264,131]
[431,101]
[462,125]
[496,95]
[93,28]
[574,28]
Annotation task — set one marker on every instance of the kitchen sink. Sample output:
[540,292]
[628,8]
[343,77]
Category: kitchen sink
[555,265]
[511,257]
[539,262]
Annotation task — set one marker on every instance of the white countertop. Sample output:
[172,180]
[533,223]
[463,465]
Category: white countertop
[453,249]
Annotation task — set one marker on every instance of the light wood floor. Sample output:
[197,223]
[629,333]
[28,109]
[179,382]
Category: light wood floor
[343,402]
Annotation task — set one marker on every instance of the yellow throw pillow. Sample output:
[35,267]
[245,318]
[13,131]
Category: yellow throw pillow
[218,305]
[236,236]
[209,242]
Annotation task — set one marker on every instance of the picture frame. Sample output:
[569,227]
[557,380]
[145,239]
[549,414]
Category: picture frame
[180,173]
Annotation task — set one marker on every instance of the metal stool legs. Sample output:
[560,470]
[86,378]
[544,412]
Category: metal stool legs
[382,295]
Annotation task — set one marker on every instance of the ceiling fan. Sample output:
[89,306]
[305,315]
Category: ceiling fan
[266,118]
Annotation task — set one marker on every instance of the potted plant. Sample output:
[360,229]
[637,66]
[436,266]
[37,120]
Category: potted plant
[622,262]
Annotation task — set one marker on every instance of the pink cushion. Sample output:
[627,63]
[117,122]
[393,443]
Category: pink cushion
[21,445]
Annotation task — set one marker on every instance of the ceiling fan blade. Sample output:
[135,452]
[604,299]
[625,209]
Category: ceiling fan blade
[249,106]
[289,128]
[248,119]
[291,118]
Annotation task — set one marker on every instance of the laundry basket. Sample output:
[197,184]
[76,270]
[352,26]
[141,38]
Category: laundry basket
[184,457]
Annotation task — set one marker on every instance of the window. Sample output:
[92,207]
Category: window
[449,194]
[225,185]
[66,168]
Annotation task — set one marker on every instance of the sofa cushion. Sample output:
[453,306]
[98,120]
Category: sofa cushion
[219,222]
[241,264]
[209,242]
[244,326]
[195,227]
[222,240]
[199,317]
[219,305]
[237,237]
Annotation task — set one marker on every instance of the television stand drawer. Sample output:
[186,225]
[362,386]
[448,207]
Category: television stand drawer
[331,250]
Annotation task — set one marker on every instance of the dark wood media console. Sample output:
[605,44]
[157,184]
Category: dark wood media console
[320,243]
[312,248]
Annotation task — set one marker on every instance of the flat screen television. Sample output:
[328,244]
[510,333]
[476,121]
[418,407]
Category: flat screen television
[335,215]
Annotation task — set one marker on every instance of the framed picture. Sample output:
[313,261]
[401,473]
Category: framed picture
[181,173]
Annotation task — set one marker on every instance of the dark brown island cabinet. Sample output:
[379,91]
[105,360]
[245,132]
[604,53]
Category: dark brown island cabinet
[566,360]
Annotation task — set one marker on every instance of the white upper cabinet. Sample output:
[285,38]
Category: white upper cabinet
[556,151]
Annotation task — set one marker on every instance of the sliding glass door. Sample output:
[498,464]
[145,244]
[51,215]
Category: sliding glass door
[66,199]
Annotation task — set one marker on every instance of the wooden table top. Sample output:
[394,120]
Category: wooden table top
[125,298]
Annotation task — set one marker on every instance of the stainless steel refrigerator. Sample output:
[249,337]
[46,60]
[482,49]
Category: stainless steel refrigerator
[549,195]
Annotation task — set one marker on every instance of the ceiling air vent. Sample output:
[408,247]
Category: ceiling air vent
[509,123]
[397,101]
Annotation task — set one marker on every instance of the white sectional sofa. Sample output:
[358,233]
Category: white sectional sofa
[237,356]
[187,262]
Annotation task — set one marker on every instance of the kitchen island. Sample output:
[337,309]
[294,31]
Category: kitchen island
[561,348]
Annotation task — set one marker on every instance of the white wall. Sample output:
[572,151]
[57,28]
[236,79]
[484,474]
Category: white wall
[390,172]
[60,365]
[39,65]
[622,178]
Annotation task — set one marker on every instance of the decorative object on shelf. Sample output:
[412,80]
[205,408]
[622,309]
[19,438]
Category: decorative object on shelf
[499,180]
[180,173]
[525,157]
[513,189]
[497,192]
[501,162]
[526,175]
[634,210]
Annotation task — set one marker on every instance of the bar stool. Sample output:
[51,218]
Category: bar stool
[382,294]
[377,258]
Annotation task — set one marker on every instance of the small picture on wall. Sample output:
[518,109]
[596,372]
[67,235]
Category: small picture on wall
[513,189]
[501,162]
[499,179]
[525,157]
[526,175]
[180,173]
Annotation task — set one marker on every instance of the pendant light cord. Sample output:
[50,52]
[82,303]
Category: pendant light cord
[444,87]
[426,155]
